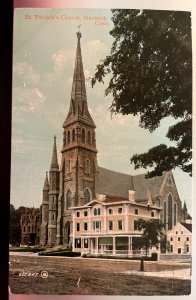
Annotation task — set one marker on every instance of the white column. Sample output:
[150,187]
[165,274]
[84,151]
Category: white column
[129,245]
[131,241]
[114,245]
[73,234]
[97,244]
[105,219]
[126,218]
[91,245]
[89,219]
[82,243]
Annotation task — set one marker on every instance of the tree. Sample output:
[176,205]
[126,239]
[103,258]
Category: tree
[150,68]
[15,228]
[152,232]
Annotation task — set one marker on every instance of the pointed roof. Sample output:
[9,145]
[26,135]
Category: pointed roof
[184,206]
[78,110]
[46,183]
[187,226]
[54,162]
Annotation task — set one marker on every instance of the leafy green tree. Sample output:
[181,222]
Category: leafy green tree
[150,69]
[152,232]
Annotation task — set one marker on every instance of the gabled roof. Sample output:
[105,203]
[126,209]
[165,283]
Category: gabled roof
[142,185]
[109,182]
[188,226]
[179,226]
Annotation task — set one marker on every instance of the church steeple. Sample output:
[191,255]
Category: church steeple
[46,183]
[54,162]
[78,110]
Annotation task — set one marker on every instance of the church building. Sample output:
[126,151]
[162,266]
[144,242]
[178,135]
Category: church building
[86,206]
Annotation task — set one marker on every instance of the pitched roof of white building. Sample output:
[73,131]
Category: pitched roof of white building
[180,227]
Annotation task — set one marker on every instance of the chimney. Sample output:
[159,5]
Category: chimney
[132,196]
[101,197]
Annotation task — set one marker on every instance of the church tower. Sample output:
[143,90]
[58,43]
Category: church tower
[53,197]
[79,153]
[44,213]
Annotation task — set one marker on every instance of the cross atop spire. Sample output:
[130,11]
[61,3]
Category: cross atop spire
[54,162]
[79,35]
[78,110]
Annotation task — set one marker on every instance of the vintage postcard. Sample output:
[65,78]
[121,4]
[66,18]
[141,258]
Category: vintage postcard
[101,186]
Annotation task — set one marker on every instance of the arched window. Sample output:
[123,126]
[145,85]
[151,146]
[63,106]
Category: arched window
[93,138]
[69,166]
[83,135]
[175,214]
[64,139]
[170,181]
[87,166]
[73,135]
[87,196]
[89,138]
[170,212]
[68,199]
[69,137]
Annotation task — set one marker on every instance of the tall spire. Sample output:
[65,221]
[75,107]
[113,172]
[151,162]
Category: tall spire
[54,162]
[78,105]
[46,183]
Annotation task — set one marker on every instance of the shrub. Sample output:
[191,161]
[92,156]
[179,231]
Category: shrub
[27,249]
[60,253]
[145,258]
[154,256]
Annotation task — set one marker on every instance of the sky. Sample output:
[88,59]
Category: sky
[43,61]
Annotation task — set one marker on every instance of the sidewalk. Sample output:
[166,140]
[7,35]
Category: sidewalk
[175,274]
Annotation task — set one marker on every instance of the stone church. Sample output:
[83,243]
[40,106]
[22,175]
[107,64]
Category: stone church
[79,180]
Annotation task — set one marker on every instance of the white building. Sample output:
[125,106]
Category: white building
[180,239]
[109,225]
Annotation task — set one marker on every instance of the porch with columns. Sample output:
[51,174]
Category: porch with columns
[117,245]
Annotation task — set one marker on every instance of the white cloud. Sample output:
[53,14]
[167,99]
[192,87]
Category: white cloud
[61,58]
[95,48]
[24,73]
[28,100]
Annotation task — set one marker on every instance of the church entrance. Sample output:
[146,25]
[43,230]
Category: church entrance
[67,233]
